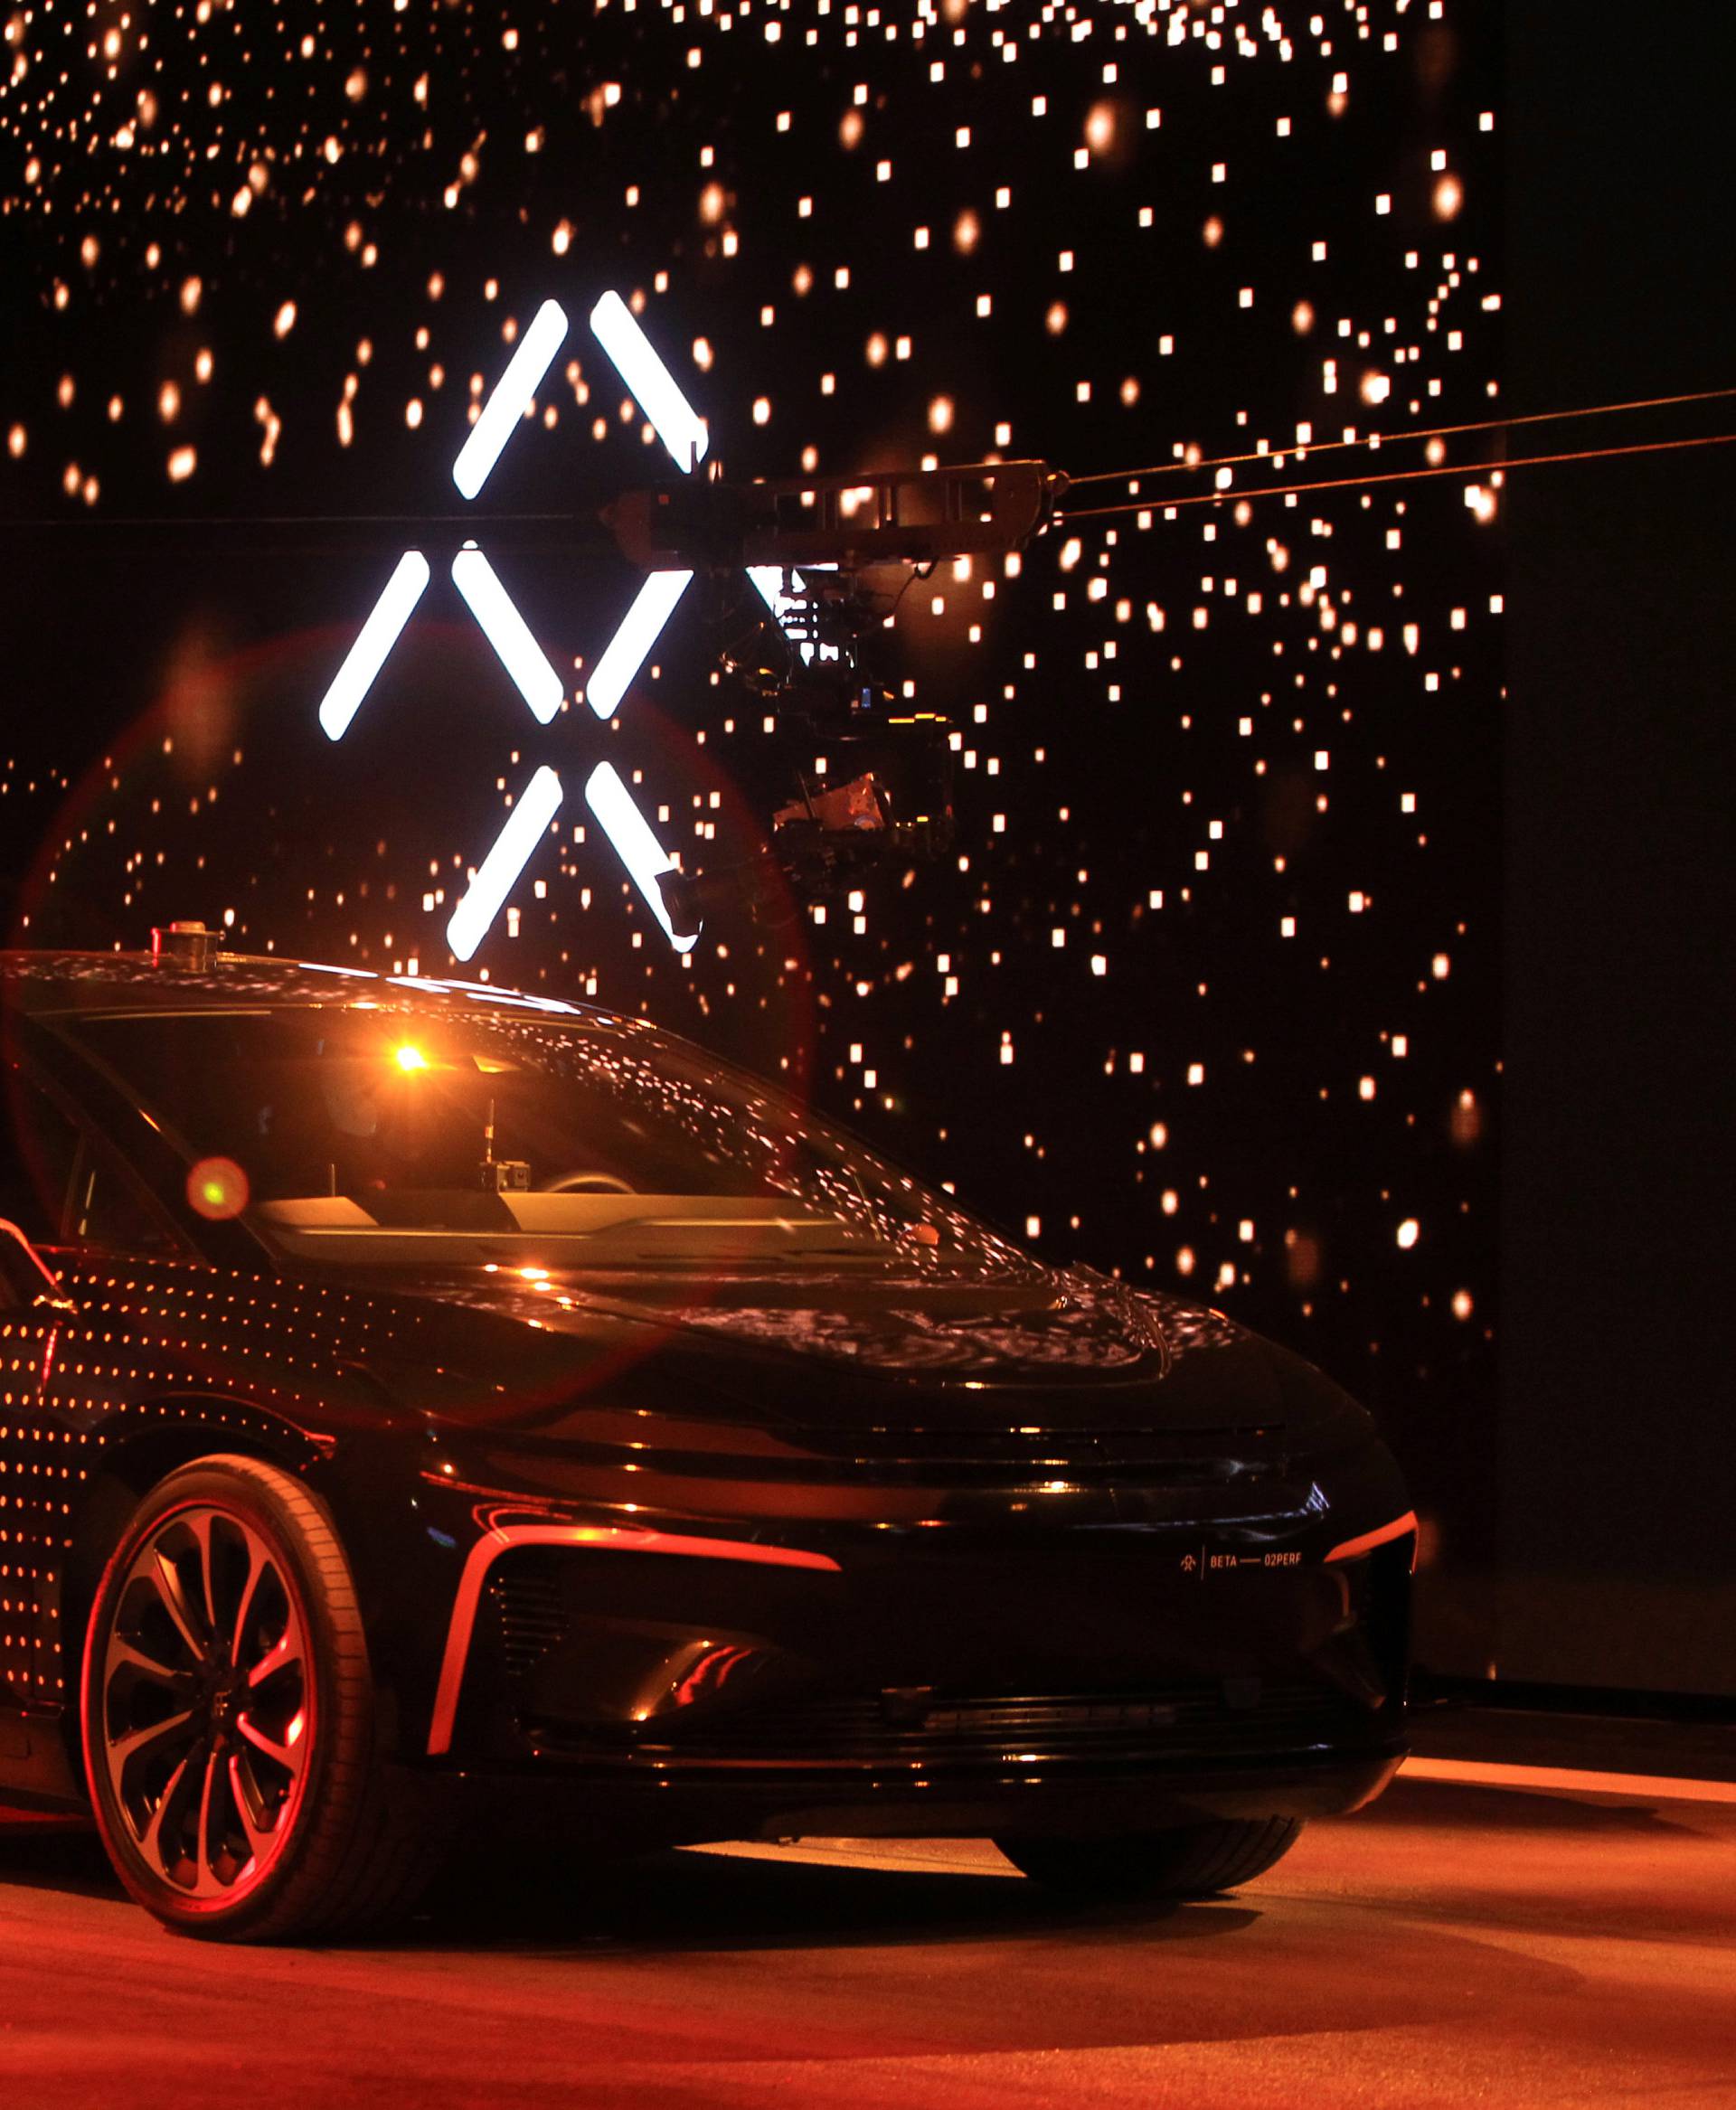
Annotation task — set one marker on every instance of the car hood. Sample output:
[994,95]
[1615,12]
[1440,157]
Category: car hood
[540,1350]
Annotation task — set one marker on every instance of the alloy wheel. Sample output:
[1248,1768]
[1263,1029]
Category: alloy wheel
[207,1708]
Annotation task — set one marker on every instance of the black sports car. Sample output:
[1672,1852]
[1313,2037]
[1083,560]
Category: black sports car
[423,1406]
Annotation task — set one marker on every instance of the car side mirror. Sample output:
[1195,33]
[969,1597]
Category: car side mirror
[25,1278]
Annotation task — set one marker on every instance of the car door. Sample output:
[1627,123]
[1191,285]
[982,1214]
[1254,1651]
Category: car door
[38,1150]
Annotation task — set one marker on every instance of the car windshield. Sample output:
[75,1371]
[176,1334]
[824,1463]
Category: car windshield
[425,1136]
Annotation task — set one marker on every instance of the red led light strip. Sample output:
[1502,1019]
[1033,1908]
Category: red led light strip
[1353,1548]
[609,1538]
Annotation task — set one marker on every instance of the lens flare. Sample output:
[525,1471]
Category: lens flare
[217,1188]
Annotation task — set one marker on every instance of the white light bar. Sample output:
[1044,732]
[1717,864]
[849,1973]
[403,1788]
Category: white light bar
[378,634]
[498,873]
[649,383]
[510,397]
[503,628]
[630,647]
[769,582]
[637,848]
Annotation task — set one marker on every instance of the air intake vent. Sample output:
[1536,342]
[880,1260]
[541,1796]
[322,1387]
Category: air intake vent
[1190,1720]
[532,1619]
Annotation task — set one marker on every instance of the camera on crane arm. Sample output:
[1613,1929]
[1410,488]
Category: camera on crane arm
[828,559]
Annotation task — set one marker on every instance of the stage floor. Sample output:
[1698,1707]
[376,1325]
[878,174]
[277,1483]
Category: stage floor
[1458,1943]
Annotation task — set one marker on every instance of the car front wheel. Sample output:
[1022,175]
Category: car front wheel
[229,1715]
[1189,1860]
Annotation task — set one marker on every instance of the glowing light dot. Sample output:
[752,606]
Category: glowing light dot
[217,1188]
[1407,1233]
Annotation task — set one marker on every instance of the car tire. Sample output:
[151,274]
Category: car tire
[1189,1860]
[230,1743]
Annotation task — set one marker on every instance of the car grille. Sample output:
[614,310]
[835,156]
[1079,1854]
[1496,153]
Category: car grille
[1190,1450]
[997,1455]
[973,1456]
[1195,1720]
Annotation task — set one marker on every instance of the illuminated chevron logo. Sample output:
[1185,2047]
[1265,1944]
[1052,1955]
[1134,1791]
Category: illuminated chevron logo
[611,805]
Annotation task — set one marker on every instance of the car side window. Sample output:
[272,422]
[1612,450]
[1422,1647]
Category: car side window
[105,1209]
[61,1186]
[39,1147]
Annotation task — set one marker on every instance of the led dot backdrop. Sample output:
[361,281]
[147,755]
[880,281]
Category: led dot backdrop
[1205,991]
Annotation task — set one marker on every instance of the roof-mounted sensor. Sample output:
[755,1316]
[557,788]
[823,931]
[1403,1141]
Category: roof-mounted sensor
[184,945]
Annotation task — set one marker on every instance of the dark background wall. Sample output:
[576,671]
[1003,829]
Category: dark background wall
[1618,1451]
[1245,759]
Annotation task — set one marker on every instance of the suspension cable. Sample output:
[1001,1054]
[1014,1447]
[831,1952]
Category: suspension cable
[1466,469]
[1373,441]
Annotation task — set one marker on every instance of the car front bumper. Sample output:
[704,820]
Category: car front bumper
[898,1660]
[995,1682]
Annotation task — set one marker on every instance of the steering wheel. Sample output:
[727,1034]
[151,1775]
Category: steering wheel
[587,1182]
